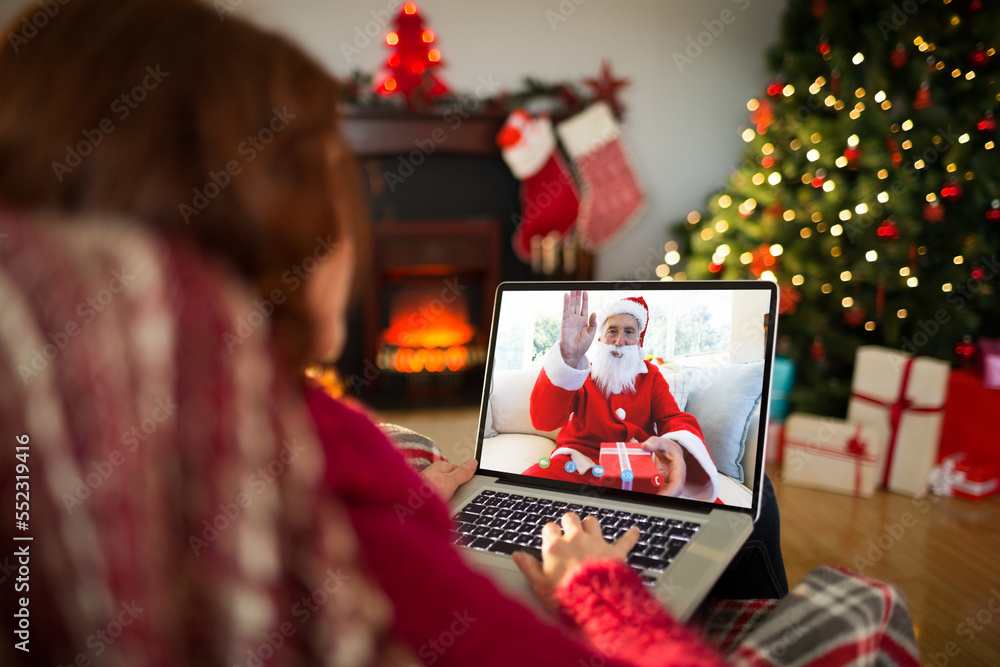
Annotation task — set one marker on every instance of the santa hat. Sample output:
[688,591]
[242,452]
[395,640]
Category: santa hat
[634,306]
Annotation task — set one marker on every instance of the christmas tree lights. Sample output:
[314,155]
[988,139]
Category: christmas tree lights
[870,190]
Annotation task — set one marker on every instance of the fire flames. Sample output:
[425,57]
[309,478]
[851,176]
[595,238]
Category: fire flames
[428,332]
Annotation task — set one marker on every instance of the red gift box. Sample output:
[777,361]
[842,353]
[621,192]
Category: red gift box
[970,418]
[627,466]
[963,477]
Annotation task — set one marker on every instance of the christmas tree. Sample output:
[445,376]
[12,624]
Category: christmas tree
[410,68]
[870,189]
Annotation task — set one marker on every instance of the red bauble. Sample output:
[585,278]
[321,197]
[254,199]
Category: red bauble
[923,98]
[893,147]
[966,351]
[853,154]
[993,215]
[823,47]
[933,212]
[979,57]
[714,268]
[774,90]
[977,273]
[854,316]
[819,8]
[888,230]
[974,6]
[898,57]
[988,123]
[952,191]
[767,162]
[819,179]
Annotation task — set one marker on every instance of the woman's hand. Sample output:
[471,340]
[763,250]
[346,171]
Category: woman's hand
[445,477]
[563,550]
[579,327]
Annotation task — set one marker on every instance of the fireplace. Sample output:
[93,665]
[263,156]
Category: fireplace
[431,305]
[443,206]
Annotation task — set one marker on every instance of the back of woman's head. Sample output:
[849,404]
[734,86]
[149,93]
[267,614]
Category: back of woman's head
[188,119]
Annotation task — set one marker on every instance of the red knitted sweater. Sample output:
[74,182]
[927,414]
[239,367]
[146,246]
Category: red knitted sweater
[450,615]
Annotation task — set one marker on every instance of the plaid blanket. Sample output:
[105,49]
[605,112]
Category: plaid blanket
[833,617]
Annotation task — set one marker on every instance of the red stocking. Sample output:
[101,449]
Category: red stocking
[549,198]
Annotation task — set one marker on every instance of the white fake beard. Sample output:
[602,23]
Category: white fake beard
[616,375]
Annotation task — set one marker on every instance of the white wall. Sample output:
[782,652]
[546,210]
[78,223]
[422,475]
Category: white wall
[682,123]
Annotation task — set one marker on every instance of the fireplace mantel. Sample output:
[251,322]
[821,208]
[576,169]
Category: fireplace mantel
[373,134]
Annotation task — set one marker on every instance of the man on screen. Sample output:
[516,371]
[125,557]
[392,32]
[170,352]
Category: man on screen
[617,397]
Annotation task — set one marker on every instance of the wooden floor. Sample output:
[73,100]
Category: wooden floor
[943,553]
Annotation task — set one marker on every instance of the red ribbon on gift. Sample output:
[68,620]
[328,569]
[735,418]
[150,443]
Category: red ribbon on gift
[856,446]
[896,409]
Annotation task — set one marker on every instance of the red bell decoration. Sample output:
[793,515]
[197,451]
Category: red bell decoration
[988,123]
[898,57]
[993,214]
[823,47]
[933,212]
[979,57]
[888,230]
[923,98]
[952,191]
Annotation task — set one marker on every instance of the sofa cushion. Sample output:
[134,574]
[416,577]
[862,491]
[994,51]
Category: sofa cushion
[723,400]
[509,405]
[679,380]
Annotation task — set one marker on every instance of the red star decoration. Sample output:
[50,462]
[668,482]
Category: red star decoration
[605,88]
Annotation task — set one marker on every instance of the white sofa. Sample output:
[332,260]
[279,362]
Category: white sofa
[512,443]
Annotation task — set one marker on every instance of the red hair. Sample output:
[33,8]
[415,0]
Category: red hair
[193,122]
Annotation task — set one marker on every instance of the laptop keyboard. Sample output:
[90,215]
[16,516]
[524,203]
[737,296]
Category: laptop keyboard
[503,523]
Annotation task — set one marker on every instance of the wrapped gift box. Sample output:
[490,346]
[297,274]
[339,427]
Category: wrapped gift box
[832,454]
[905,395]
[964,477]
[970,418]
[627,466]
[989,362]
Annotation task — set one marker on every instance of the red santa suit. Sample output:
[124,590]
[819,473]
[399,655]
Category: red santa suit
[568,398]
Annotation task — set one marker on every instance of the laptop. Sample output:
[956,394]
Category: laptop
[713,342]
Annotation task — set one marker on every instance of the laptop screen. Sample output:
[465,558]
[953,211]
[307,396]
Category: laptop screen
[657,392]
